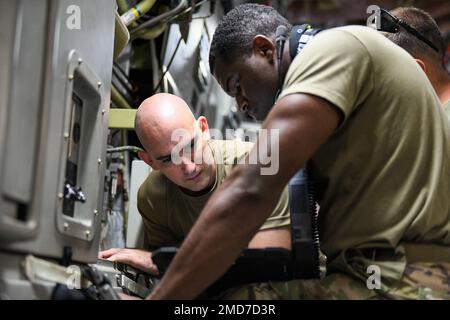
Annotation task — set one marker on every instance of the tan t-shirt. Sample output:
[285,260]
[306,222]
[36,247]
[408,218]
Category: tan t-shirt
[384,175]
[447,108]
[169,213]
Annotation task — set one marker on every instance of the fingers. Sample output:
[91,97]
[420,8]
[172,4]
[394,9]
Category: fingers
[121,257]
[138,259]
[153,270]
[124,296]
[108,253]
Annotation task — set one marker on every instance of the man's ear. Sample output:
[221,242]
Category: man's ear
[422,65]
[146,158]
[204,127]
[264,46]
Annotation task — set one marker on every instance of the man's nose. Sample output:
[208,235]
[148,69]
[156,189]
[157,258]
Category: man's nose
[187,165]
[242,103]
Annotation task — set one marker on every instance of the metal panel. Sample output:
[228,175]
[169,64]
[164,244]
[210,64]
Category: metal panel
[24,102]
[21,61]
[93,43]
[7,26]
[81,163]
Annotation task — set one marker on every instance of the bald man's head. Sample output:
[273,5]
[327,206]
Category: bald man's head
[159,121]
[158,116]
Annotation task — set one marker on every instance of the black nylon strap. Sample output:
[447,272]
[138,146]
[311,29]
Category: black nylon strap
[300,36]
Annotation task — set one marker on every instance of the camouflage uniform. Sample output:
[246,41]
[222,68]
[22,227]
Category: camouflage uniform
[424,281]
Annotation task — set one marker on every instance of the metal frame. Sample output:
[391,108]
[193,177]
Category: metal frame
[83,81]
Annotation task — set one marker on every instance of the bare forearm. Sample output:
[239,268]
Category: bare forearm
[223,230]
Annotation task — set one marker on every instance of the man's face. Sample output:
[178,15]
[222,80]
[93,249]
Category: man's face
[188,161]
[251,80]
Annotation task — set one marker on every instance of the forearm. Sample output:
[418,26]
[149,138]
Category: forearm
[232,216]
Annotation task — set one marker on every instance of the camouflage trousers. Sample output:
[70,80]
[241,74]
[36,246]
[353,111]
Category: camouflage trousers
[420,281]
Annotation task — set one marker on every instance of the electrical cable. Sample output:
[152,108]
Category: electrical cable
[190,9]
[168,65]
[161,17]
[125,148]
[124,80]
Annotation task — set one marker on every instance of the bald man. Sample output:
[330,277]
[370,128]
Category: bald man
[174,194]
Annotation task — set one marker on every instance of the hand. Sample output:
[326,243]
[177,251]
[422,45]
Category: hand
[136,258]
[124,296]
